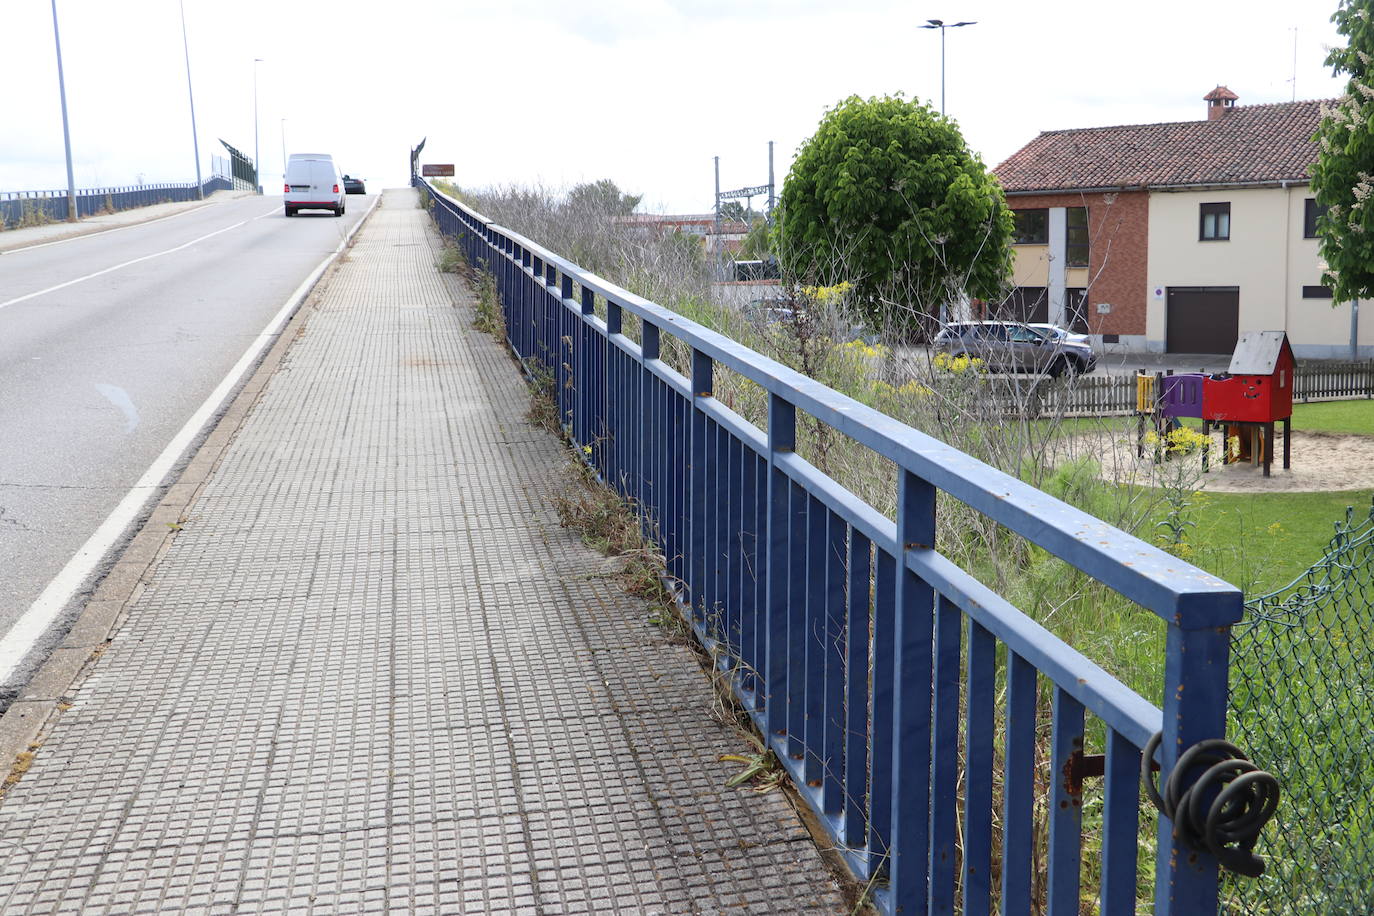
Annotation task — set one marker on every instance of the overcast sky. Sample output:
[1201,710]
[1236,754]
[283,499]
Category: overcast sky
[644,92]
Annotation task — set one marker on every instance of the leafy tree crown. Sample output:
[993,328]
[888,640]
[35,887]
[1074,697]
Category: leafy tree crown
[887,196]
[1343,176]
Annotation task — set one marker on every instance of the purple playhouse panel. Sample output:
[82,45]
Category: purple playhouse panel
[1181,395]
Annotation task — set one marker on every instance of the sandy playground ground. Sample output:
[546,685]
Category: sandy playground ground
[1320,462]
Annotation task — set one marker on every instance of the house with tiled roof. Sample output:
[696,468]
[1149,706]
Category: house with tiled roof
[1178,236]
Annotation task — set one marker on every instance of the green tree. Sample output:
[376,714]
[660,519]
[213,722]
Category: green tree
[887,196]
[604,197]
[757,244]
[1343,175]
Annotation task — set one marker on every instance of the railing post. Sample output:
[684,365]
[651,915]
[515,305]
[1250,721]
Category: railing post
[584,429]
[699,479]
[1195,702]
[566,396]
[782,440]
[651,436]
[908,863]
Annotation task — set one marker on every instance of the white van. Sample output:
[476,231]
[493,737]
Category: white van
[313,182]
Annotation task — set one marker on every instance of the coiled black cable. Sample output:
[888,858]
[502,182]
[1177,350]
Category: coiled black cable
[1246,798]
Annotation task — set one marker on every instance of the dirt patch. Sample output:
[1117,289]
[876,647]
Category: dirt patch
[1320,462]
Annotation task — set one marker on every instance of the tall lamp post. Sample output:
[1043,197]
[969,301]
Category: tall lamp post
[195,140]
[257,168]
[66,133]
[942,25]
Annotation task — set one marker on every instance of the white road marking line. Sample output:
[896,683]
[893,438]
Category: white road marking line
[34,622]
[101,273]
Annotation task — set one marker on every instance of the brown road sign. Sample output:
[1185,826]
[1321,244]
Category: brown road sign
[439,170]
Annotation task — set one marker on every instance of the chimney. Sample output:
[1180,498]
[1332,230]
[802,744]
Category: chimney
[1219,101]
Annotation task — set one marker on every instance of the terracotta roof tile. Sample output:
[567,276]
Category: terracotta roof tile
[1251,143]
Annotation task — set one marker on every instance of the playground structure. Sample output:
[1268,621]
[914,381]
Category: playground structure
[1246,401]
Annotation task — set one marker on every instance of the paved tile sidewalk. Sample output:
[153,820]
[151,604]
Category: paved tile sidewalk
[371,673]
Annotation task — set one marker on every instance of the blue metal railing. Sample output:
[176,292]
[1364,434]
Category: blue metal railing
[857,648]
[17,206]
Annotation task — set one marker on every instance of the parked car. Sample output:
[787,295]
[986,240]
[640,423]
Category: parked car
[1010,346]
[313,182]
[354,185]
[1058,333]
[773,309]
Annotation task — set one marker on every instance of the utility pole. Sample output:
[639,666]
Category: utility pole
[715,222]
[772,197]
[257,169]
[195,140]
[66,132]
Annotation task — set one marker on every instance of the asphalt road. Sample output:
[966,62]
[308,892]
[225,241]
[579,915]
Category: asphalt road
[109,343]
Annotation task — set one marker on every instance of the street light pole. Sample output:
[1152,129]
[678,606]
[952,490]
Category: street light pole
[66,132]
[283,146]
[257,169]
[942,25]
[195,140]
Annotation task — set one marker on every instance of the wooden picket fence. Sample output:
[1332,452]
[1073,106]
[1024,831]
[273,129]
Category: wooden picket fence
[1105,395]
[1334,381]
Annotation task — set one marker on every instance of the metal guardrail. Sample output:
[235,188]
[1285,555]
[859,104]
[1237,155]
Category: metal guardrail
[868,660]
[19,208]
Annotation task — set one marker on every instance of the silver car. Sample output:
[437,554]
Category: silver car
[1010,346]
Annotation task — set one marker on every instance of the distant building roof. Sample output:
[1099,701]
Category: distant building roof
[1247,144]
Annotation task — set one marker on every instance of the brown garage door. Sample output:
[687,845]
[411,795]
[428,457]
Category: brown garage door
[1202,319]
[1026,303]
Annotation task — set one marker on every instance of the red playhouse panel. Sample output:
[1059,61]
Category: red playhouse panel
[1259,387]
[1248,398]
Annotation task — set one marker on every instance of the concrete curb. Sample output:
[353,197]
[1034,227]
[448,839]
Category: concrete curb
[23,724]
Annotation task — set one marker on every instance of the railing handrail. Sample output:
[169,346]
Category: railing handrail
[1175,590]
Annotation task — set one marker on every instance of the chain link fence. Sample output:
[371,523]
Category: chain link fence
[1302,705]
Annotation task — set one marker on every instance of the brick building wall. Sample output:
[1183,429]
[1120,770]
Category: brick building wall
[1118,224]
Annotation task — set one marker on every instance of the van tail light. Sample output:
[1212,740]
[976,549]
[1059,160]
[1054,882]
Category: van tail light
[286,189]
[336,189]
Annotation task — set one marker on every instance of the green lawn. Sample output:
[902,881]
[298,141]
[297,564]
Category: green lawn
[1336,417]
[1262,541]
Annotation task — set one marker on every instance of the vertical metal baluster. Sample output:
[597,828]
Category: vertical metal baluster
[611,469]
[798,501]
[748,605]
[733,523]
[702,380]
[978,756]
[567,378]
[884,668]
[548,328]
[529,285]
[718,533]
[858,620]
[813,648]
[651,437]
[1121,824]
[832,709]
[944,775]
[1066,806]
[586,378]
[782,440]
[908,862]
[1018,787]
